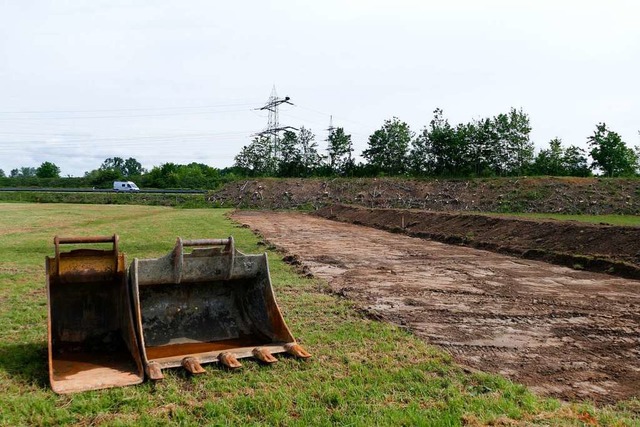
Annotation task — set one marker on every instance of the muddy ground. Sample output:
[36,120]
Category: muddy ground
[565,333]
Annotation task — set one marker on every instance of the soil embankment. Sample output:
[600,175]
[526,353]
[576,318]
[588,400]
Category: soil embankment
[541,194]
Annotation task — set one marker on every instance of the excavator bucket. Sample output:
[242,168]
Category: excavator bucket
[213,304]
[92,341]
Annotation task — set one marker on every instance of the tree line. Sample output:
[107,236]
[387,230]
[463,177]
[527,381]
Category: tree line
[167,175]
[489,147]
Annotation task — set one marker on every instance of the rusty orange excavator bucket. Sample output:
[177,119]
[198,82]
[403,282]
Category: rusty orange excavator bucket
[214,304]
[92,341]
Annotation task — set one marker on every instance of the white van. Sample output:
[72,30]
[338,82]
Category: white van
[125,186]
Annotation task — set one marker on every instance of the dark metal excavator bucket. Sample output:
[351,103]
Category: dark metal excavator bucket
[92,341]
[214,304]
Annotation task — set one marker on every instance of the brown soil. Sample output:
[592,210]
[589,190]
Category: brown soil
[601,248]
[570,334]
[540,194]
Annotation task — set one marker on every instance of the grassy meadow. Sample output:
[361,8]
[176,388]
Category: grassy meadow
[106,198]
[621,220]
[363,372]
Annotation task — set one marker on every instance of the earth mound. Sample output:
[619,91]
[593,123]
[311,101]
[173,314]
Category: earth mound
[594,196]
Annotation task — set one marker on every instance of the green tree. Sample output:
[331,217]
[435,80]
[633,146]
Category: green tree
[102,178]
[48,170]
[125,168]
[340,149]
[2,174]
[298,154]
[560,161]
[163,176]
[195,175]
[290,163]
[27,172]
[388,147]
[440,149]
[574,161]
[310,157]
[447,151]
[114,163]
[132,167]
[420,156]
[610,153]
[257,159]
[480,136]
[23,172]
[172,175]
[512,149]
[550,161]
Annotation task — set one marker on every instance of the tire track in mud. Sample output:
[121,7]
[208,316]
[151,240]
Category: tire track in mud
[570,334]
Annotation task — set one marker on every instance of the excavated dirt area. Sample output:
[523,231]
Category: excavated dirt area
[570,334]
[595,247]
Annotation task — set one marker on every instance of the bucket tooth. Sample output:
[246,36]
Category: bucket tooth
[192,365]
[296,350]
[155,372]
[229,360]
[263,355]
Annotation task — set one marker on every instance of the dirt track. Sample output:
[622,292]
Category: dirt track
[566,333]
[595,247]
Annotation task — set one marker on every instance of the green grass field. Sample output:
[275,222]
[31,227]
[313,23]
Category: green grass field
[363,372]
[108,198]
[624,220]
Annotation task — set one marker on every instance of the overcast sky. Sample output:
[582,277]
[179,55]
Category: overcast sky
[179,81]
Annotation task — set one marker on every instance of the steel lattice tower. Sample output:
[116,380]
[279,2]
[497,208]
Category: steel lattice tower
[273,121]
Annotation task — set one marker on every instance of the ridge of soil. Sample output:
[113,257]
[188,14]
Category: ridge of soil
[568,195]
[601,248]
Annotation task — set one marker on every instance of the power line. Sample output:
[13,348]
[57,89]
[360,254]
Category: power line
[123,116]
[148,146]
[103,110]
[172,136]
[328,114]
[63,137]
